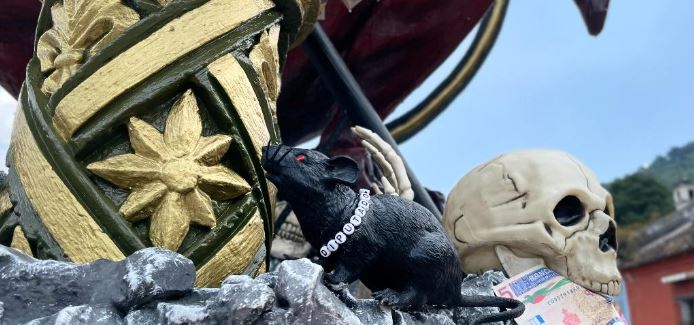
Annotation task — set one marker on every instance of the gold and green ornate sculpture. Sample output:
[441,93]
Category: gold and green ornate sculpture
[141,124]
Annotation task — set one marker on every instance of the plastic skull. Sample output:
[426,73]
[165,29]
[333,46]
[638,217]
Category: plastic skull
[537,203]
[289,243]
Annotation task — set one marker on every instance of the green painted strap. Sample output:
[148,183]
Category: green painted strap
[42,243]
[8,221]
[247,66]
[258,259]
[45,21]
[254,78]
[227,116]
[144,7]
[232,220]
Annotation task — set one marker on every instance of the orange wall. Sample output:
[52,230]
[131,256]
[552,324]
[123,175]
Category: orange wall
[650,300]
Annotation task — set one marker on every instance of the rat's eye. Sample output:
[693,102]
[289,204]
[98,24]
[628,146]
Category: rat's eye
[300,157]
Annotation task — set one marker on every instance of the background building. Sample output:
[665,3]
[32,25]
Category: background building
[660,275]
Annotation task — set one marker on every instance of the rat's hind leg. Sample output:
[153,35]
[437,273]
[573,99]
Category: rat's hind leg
[405,299]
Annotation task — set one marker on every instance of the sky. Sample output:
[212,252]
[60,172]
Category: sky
[615,101]
[7,110]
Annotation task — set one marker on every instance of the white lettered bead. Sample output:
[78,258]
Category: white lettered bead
[355,220]
[340,238]
[360,211]
[348,229]
[364,204]
[333,245]
[324,251]
[364,192]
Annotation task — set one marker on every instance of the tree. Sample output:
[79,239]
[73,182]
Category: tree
[674,167]
[639,198]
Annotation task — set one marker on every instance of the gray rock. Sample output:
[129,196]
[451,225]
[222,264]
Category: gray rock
[168,313]
[400,318]
[478,285]
[155,286]
[156,274]
[32,289]
[300,284]
[242,301]
[82,315]
[143,316]
[371,311]
[269,279]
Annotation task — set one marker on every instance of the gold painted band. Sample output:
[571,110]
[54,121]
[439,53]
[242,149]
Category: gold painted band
[234,257]
[228,71]
[20,242]
[163,47]
[69,223]
[262,269]
[5,203]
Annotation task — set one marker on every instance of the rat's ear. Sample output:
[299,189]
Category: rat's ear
[343,169]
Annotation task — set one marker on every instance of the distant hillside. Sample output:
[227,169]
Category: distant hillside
[647,194]
[677,165]
[639,198]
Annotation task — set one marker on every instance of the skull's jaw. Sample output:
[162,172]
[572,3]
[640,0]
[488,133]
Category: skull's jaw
[610,288]
[514,264]
[288,250]
[290,243]
[590,267]
[600,274]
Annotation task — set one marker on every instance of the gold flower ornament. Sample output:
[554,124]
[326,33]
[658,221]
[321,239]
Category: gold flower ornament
[173,176]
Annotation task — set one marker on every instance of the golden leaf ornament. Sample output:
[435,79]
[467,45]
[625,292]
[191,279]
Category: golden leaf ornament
[173,176]
[81,28]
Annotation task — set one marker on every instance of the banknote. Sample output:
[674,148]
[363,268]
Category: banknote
[552,299]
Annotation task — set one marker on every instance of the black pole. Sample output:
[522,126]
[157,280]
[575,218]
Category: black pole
[351,98]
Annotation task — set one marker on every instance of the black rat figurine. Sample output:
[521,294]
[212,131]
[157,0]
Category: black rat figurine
[396,247]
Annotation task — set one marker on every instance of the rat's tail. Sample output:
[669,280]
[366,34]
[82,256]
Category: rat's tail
[509,308]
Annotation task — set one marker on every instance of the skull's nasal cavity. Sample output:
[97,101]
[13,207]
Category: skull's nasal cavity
[608,240]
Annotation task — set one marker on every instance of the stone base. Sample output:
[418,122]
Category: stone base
[155,286]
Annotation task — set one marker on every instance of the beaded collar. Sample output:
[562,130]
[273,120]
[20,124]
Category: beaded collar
[355,221]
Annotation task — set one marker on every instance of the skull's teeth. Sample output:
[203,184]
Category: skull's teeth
[615,287]
[292,233]
[596,286]
[610,288]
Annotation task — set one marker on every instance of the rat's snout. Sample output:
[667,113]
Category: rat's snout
[273,156]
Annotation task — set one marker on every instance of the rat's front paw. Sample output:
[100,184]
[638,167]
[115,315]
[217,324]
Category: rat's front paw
[333,283]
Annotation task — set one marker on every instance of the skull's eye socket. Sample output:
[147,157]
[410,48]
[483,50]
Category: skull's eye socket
[569,211]
[300,157]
